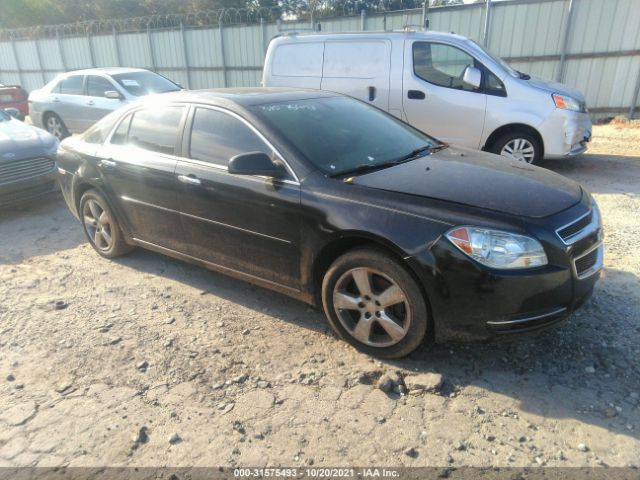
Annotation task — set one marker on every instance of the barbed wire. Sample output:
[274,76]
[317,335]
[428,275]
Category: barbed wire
[211,18]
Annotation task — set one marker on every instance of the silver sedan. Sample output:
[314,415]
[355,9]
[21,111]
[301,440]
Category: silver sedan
[74,101]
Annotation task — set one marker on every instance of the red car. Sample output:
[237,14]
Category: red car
[14,96]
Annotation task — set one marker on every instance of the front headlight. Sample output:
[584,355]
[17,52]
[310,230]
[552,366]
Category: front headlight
[567,103]
[497,249]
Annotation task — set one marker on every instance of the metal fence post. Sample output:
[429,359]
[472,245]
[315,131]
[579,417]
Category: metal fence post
[117,46]
[152,56]
[565,42]
[363,17]
[425,10]
[185,55]
[17,60]
[90,43]
[222,54]
[487,23]
[39,55]
[61,51]
[263,34]
[634,101]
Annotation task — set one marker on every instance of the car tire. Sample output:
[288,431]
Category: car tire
[101,227]
[384,311]
[518,145]
[55,126]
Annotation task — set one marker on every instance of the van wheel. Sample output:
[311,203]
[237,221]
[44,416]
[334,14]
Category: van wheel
[55,126]
[374,303]
[520,146]
[101,227]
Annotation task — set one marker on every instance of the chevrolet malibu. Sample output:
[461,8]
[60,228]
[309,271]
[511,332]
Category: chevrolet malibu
[399,237]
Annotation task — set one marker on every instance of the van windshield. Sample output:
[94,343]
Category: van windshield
[339,135]
[510,70]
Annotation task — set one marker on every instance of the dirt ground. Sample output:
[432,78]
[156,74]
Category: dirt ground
[149,361]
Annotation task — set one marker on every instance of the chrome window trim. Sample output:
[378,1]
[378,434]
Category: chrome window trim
[597,266]
[585,232]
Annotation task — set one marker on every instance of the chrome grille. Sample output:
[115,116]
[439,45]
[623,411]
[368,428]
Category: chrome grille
[579,228]
[23,169]
[589,262]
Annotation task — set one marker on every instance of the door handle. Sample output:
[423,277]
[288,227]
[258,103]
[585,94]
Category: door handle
[372,94]
[415,95]
[90,102]
[190,179]
[108,163]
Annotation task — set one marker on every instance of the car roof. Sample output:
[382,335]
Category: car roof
[105,71]
[419,34]
[244,97]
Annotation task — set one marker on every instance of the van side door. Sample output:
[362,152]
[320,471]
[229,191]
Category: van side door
[358,68]
[435,99]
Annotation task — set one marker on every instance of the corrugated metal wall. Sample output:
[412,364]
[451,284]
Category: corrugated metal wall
[602,56]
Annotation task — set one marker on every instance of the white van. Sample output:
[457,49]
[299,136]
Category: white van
[444,84]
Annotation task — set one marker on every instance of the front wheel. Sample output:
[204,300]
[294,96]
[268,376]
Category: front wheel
[520,146]
[374,303]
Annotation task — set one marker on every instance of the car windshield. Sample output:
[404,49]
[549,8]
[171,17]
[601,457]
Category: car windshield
[4,116]
[339,135]
[144,83]
[510,70]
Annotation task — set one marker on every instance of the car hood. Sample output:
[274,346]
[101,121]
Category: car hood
[555,87]
[19,140]
[479,179]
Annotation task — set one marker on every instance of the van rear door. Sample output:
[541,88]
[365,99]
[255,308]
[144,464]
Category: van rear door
[359,68]
[294,65]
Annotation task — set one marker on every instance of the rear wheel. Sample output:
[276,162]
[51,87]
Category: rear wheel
[520,146]
[374,303]
[101,227]
[55,126]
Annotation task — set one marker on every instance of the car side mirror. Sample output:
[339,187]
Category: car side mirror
[472,77]
[112,94]
[255,163]
[14,112]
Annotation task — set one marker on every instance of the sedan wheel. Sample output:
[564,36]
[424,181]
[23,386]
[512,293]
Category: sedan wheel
[101,227]
[371,307]
[373,302]
[98,225]
[55,127]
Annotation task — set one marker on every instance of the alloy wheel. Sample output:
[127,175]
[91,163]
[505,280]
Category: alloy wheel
[519,149]
[371,307]
[98,225]
[54,127]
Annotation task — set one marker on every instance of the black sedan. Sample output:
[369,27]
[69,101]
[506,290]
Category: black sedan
[27,161]
[398,236]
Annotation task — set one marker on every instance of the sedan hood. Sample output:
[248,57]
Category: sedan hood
[19,140]
[479,179]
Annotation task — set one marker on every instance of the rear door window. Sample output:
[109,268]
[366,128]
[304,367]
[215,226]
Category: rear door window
[156,129]
[217,136]
[72,85]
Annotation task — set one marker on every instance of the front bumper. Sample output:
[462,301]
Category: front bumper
[29,189]
[566,133]
[473,303]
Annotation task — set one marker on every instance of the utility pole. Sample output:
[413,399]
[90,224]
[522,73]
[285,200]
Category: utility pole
[425,10]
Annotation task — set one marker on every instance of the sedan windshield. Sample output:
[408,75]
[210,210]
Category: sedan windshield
[339,135]
[144,83]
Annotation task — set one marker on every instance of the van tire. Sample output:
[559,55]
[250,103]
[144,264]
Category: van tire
[525,147]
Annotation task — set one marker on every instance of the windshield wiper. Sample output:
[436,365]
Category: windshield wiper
[523,76]
[368,167]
